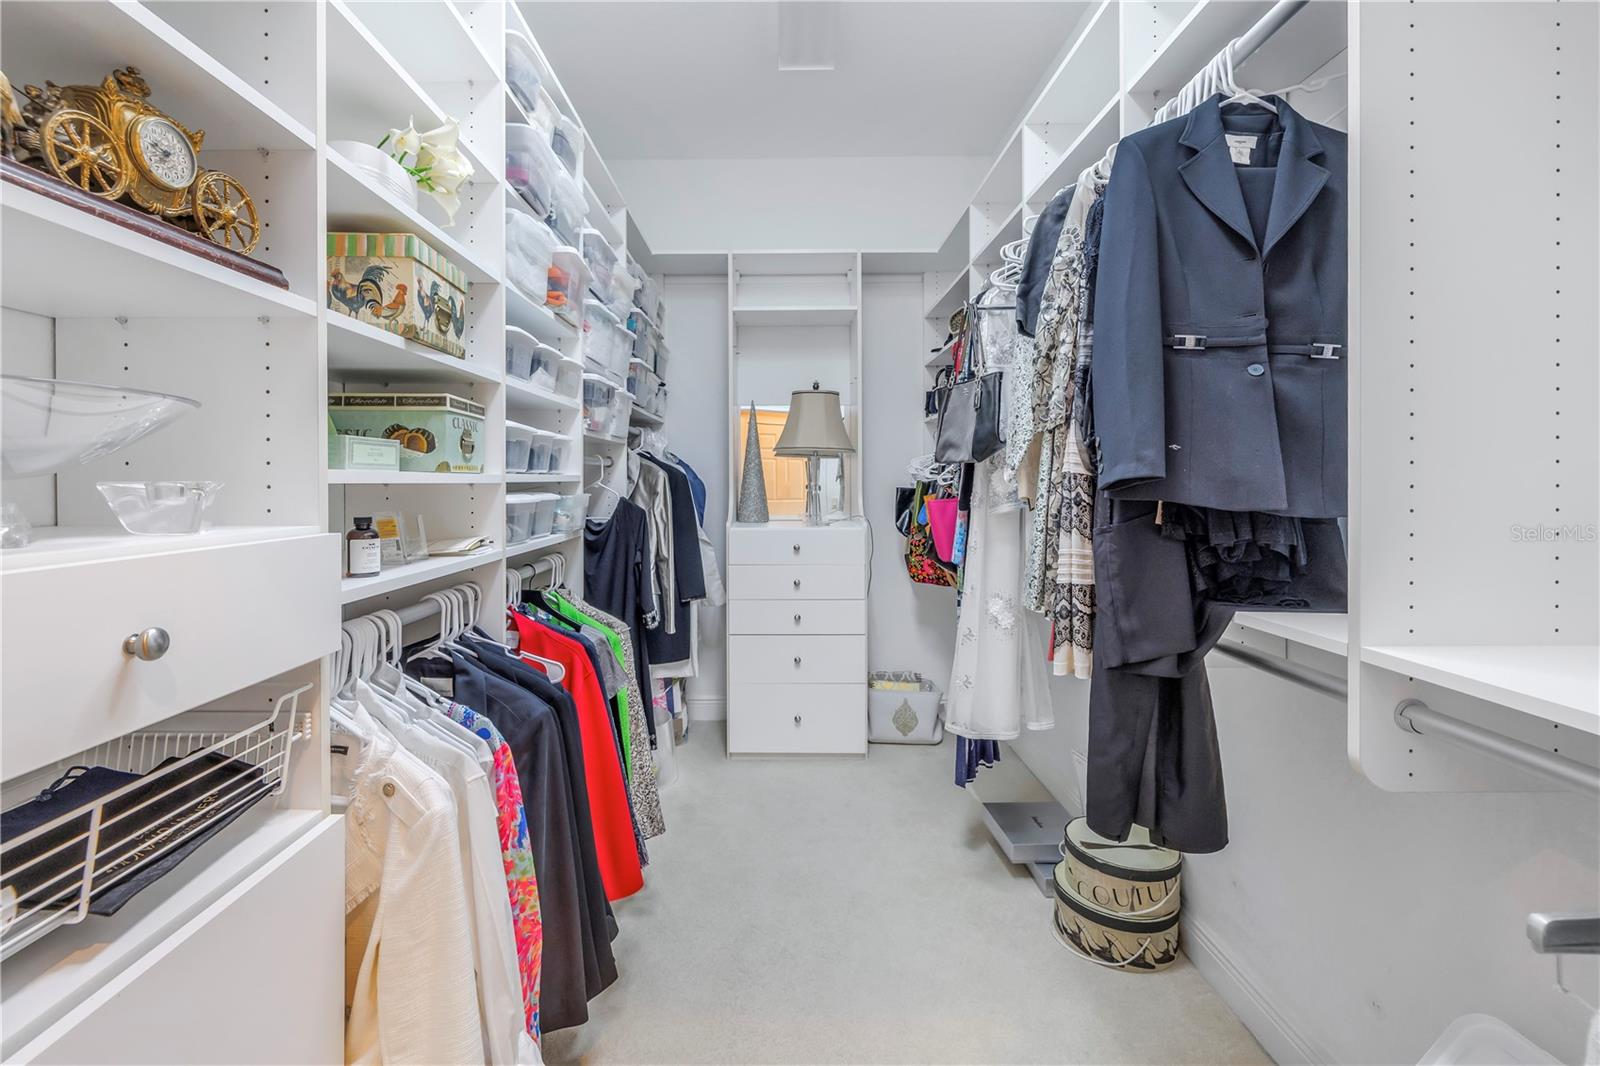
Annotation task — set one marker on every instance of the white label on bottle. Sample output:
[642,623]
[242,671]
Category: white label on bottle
[366,557]
[1241,146]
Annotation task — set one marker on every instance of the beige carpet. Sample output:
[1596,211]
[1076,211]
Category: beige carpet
[856,911]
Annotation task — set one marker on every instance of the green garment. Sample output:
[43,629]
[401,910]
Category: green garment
[562,606]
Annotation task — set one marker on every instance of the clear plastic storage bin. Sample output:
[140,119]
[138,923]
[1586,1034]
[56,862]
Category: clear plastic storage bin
[529,247]
[531,165]
[638,375]
[567,140]
[519,441]
[539,453]
[566,288]
[648,296]
[606,345]
[543,116]
[621,414]
[570,512]
[522,70]
[568,209]
[599,396]
[521,515]
[623,286]
[559,447]
[601,260]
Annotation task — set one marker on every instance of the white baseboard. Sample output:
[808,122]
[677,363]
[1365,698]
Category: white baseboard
[707,708]
[1247,999]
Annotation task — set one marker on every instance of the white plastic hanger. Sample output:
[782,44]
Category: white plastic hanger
[1239,95]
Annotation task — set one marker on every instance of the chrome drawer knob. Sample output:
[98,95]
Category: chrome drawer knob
[796,582]
[797,719]
[148,644]
[797,549]
[797,660]
[796,619]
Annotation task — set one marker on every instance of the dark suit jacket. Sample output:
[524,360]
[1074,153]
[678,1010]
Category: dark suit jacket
[1208,382]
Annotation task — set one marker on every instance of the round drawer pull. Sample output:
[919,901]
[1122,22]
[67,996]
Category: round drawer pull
[796,619]
[148,644]
[797,549]
[797,660]
[796,582]
[797,719]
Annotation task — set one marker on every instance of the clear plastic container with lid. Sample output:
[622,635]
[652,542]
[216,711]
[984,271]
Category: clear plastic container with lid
[601,260]
[621,413]
[567,140]
[519,441]
[569,512]
[531,165]
[623,286]
[559,448]
[539,451]
[567,282]
[529,247]
[599,397]
[542,116]
[522,70]
[523,518]
[606,345]
[568,209]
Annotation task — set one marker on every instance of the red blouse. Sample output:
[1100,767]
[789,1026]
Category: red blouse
[608,791]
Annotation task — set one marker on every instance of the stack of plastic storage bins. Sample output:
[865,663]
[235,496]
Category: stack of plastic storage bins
[529,515]
[531,166]
[530,360]
[530,248]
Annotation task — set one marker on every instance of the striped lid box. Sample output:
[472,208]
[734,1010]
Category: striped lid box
[397,246]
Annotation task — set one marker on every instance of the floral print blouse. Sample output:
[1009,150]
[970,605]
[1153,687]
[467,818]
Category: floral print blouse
[521,882]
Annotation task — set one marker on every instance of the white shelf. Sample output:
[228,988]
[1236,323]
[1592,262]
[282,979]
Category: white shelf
[1098,136]
[1326,632]
[1559,684]
[72,545]
[353,589]
[408,477]
[44,981]
[536,318]
[64,41]
[600,440]
[115,271]
[361,350]
[428,38]
[540,543]
[543,479]
[358,207]
[522,396]
[1204,31]
[645,418]
[794,316]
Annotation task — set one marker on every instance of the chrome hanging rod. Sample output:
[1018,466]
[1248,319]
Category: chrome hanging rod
[1316,680]
[1414,716]
[1265,27]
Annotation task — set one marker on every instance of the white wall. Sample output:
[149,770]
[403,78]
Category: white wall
[688,205]
[910,626]
[1348,924]
[697,427]
[28,348]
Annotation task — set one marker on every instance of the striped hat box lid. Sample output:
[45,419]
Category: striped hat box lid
[397,246]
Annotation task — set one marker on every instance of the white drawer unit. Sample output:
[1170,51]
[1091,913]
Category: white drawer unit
[81,687]
[797,660]
[811,618]
[797,639]
[780,719]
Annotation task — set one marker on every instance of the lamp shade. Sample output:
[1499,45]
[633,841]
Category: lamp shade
[815,426]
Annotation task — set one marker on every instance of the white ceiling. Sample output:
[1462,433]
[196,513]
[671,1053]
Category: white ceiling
[700,80]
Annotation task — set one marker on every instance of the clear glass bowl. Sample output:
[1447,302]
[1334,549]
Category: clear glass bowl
[50,424]
[160,507]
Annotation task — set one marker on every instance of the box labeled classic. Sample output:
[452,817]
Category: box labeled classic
[438,432]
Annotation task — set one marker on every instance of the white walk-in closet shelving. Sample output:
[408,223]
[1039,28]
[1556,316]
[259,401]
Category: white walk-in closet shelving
[250,608]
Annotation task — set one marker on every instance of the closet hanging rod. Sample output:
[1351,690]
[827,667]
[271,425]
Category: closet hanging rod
[1316,680]
[1265,27]
[1414,716]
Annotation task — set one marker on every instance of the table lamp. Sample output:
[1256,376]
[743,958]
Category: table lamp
[815,428]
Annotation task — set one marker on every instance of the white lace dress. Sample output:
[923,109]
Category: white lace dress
[998,678]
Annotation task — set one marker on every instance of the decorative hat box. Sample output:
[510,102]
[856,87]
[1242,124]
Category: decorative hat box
[399,283]
[438,432]
[1117,903]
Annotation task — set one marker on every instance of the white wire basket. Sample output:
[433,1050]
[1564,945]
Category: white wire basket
[188,782]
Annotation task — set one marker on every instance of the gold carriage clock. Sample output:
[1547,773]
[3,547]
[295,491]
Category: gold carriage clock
[109,141]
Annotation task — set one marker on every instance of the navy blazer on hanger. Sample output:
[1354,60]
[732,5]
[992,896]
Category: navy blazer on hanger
[1219,371]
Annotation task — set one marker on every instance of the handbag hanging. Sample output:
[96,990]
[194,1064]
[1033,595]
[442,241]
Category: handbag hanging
[969,424]
[934,401]
[922,564]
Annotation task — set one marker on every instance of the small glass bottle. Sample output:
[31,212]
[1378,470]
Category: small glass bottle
[363,550]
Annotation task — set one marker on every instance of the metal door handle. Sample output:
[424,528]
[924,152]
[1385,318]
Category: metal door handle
[148,644]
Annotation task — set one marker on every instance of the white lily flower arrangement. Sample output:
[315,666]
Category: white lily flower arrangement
[437,165]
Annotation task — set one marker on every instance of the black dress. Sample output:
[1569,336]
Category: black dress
[616,555]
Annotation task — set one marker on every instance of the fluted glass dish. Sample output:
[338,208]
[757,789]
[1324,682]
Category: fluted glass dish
[50,424]
[160,508]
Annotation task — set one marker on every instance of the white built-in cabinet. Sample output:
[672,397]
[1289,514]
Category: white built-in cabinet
[246,936]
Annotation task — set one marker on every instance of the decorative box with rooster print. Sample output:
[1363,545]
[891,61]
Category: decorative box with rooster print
[398,283]
[438,432]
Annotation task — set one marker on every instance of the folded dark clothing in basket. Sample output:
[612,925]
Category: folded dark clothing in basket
[176,813]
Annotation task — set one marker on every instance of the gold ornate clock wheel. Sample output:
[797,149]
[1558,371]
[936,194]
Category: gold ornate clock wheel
[81,150]
[224,212]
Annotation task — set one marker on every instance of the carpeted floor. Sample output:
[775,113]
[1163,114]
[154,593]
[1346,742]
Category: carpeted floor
[856,911]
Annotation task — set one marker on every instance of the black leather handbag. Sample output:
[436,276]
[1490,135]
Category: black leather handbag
[969,423]
[933,403]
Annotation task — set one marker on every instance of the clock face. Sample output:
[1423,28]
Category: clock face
[166,153]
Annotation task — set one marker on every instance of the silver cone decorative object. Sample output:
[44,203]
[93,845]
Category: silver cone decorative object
[753,484]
